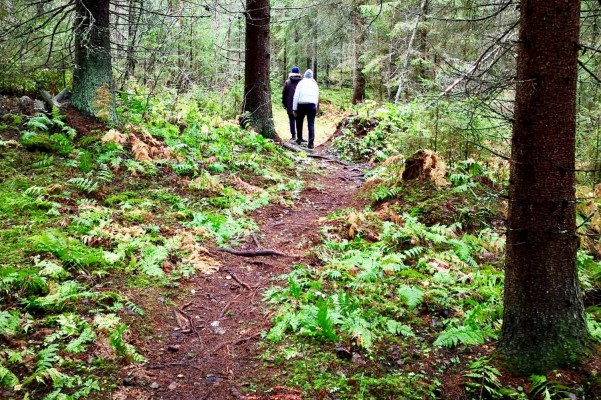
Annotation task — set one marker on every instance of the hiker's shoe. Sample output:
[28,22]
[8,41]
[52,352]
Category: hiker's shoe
[293,139]
[303,141]
[310,146]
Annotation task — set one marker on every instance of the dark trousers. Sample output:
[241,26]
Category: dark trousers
[292,121]
[310,111]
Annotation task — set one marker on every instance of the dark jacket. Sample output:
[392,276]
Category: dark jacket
[288,92]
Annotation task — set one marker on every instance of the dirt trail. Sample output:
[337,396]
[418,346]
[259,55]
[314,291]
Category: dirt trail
[220,356]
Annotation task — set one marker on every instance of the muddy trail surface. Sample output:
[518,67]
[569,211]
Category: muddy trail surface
[205,343]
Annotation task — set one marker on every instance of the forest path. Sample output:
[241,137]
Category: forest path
[219,358]
[324,127]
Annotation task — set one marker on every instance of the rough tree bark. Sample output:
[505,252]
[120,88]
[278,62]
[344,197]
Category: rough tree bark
[93,67]
[359,82]
[257,94]
[543,320]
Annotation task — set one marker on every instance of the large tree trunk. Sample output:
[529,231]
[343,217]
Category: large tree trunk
[257,95]
[93,90]
[359,35]
[543,320]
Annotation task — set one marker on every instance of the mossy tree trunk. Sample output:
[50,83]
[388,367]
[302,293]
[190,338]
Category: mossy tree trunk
[93,86]
[543,320]
[257,94]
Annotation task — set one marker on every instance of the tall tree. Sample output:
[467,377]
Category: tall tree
[93,73]
[543,320]
[359,80]
[257,94]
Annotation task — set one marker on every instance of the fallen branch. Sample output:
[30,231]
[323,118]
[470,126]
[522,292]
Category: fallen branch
[190,322]
[243,284]
[47,97]
[253,253]
[57,100]
[224,309]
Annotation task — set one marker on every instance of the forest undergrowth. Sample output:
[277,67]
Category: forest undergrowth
[400,299]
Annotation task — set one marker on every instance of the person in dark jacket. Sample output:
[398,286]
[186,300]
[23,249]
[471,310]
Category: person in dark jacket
[288,97]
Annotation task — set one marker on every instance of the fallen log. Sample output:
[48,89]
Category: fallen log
[47,97]
[58,100]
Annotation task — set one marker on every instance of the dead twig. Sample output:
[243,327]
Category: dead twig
[224,309]
[256,240]
[245,285]
[190,322]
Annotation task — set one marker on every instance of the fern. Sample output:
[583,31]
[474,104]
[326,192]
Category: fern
[134,308]
[84,184]
[485,379]
[396,328]
[184,168]
[104,174]
[151,259]
[40,122]
[414,251]
[464,252]
[45,161]
[106,322]
[325,320]
[66,293]
[35,191]
[547,390]
[7,378]
[122,348]
[454,335]
[47,357]
[77,345]
[410,295]
[382,193]
[52,270]
[10,323]
[61,144]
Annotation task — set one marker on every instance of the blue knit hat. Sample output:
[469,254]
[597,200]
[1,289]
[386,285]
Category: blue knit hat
[295,70]
[308,74]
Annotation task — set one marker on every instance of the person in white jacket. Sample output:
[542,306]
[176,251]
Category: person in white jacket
[305,103]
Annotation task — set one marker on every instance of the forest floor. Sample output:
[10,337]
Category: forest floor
[206,341]
[124,276]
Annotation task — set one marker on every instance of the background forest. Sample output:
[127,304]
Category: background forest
[123,200]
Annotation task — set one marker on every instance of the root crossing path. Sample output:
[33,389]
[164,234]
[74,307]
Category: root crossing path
[205,341]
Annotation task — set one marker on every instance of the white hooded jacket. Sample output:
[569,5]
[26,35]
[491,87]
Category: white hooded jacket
[306,92]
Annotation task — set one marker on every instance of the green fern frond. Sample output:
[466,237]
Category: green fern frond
[78,344]
[84,184]
[10,323]
[122,348]
[47,357]
[104,174]
[7,378]
[151,259]
[397,328]
[410,295]
[45,161]
[452,336]
[40,122]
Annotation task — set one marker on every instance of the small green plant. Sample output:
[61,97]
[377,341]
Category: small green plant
[86,185]
[543,388]
[484,381]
